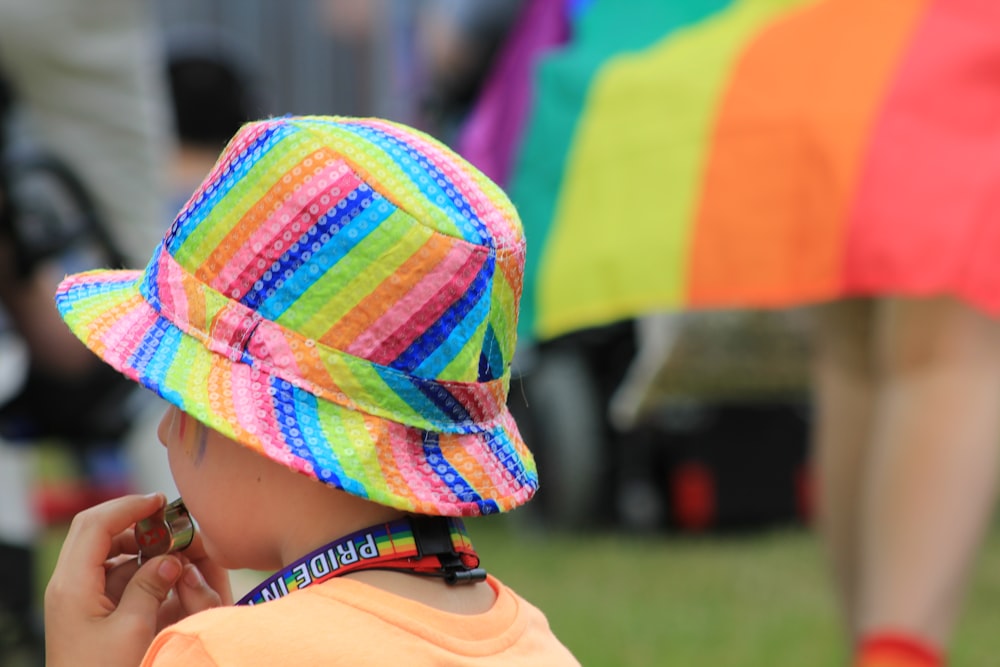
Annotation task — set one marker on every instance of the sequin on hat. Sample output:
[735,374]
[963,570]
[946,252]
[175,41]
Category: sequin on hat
[341,296]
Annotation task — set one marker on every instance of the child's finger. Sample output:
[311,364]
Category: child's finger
[124,543]
[194,592]
[93,536]
[147,589]
[117,578]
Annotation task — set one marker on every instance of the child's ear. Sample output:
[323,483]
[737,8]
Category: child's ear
[167,425]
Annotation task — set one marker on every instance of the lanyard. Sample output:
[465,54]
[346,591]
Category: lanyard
[432,546]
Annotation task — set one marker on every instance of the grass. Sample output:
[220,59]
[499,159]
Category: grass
[759,599]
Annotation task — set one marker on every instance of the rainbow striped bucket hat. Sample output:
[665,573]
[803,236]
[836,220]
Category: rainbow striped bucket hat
[341,296]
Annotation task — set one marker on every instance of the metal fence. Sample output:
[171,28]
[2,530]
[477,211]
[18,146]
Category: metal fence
[301,67]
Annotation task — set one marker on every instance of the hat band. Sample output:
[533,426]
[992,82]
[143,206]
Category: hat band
[242,335]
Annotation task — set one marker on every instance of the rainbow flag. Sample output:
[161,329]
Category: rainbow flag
[757,153]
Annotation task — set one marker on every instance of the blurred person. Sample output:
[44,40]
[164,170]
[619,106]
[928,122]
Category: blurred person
[213,91]
[783,154]
[488,136]
[427,58]
[86,74]
[880,173]
[457,41]
[84,129]
[80,77]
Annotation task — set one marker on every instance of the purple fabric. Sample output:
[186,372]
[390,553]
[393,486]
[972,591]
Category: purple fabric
[492,133]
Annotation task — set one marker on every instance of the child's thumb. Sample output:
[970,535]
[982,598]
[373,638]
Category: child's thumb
[150,587]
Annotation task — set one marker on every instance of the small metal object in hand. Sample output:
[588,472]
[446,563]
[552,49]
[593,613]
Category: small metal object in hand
[167,531]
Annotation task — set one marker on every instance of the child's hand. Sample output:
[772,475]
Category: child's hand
[102,610]
[202,585]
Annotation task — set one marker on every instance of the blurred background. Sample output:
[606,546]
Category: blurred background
[734,375]
[674,521]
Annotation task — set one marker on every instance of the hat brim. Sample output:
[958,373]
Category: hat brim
[372,457]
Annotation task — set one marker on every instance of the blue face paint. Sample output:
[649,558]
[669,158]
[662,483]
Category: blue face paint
[202,437]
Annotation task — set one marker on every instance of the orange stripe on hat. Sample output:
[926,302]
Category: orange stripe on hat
[467,465]
[388,293]
[383,434]
[288,225]
[256,222]
[312,369]
[421,305]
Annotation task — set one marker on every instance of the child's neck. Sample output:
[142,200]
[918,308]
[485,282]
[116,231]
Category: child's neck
[308,516]
[347,515]
[350,515]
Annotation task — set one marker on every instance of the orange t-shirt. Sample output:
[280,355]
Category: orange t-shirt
[346,622]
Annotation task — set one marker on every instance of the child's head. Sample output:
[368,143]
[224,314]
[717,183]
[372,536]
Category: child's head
[340,295]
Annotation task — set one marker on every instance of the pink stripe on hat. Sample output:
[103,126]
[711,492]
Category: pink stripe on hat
[389,335]
[283,226]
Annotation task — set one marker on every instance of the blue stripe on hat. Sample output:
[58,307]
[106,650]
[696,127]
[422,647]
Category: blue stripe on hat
[432,337]
[439,359]
[153,369]
[491,363]
[488,506]
[503,450]
[191,216]
[445,402]
[285,400]
[300,252]
[430,180]
[353,227]
[326,466]
[413,393]
[149,286]
[446,472]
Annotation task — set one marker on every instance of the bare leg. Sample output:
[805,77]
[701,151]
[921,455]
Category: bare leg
[931,480]
[843,388]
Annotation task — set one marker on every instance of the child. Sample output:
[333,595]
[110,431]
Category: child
[332,318]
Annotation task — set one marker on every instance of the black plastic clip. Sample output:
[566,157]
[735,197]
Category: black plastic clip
[433,538]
